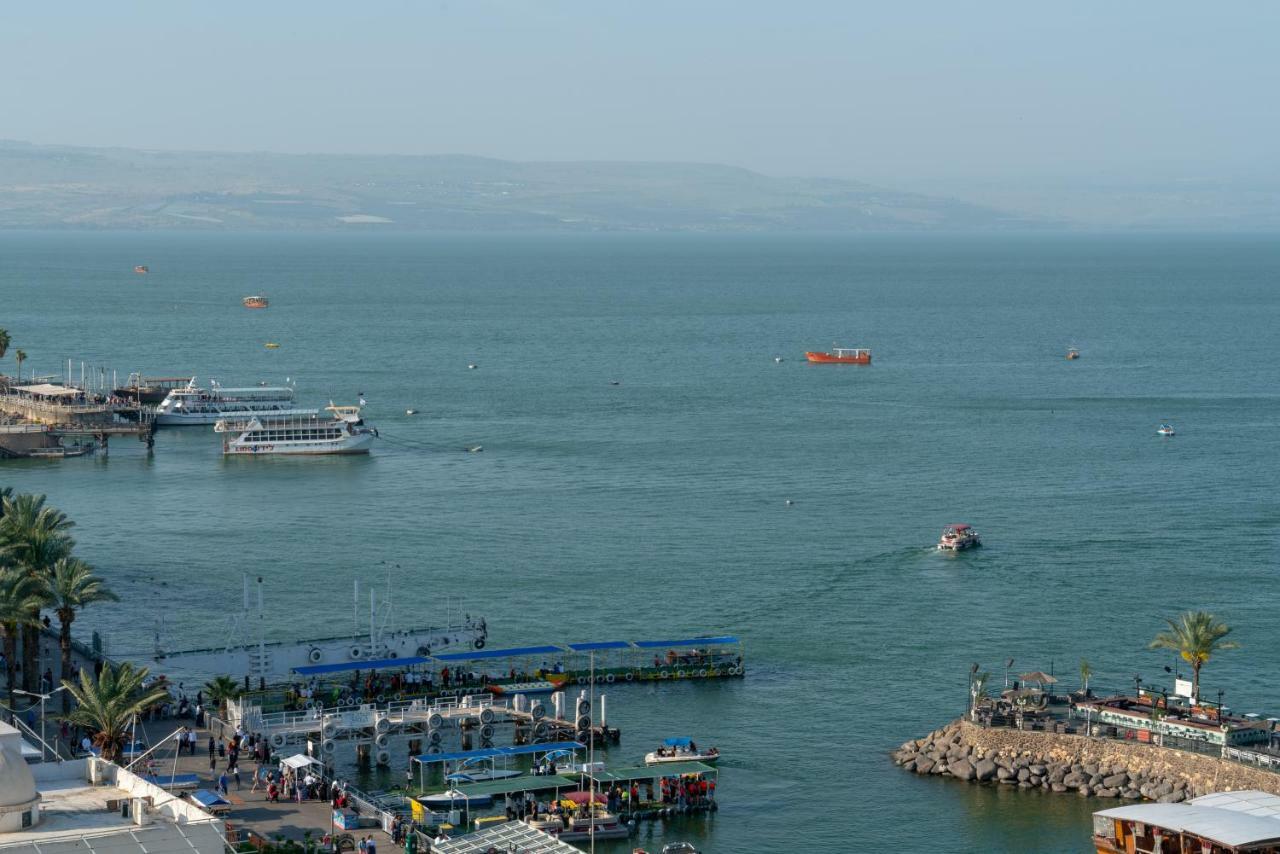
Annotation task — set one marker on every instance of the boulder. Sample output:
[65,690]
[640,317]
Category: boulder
[1095,780]
[1131,794]
[1089,768]
[923,765]
[1115,781]
[1106,792]
[1024,784]
[1073,781]
[1057,787]
[1035,780]
[961,769]
[1163,789]
[985,770]
[1085,791]
[1037,770]
[1003,774]
[939,768]
[1175,797]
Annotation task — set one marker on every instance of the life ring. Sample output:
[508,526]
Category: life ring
[355,652]
[382,740]
[315,656]
[486,716]
[435,721]
[486,732]
[609,678]
[736,670]
[538,711]
[478,643]
[383,725]
[329,729]
[384,757]
[584,707]
[434,750]
[540,729]
[630,677]
[328,745]
[434,737]
[345,842]
[680,674]
[582,680]
[664,674]
[702,674]
[393,654]
[277,740]
[584,722]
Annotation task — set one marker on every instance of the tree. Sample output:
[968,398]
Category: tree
[1196,636]
[19,595]
[33,536]
[106,706]
[220,690]
[1085,672]
[21,356]
[5,341]
[70,586]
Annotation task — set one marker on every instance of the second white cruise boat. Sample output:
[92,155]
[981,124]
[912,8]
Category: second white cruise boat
[194,405]
[344,433]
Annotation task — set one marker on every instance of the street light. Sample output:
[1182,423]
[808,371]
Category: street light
[1008,664]
[42,697]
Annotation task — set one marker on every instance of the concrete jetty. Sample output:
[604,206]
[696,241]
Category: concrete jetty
[1083,764]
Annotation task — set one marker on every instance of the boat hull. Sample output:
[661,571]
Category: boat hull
[959,546]
[705,758]
[829,359]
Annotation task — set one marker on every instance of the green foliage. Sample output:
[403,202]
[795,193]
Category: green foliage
[1196,636]
[107,705]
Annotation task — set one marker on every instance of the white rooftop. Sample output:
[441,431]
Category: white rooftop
[511,835]
[153,839]
[1232,819]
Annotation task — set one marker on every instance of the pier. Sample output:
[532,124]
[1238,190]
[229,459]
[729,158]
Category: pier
[36,418]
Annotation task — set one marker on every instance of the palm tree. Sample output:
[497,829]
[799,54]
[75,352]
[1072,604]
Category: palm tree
[1196,636]
[19,594]
[1085,672]
[220,690]
[70,586]
[106,706]
[34,536]
[5,341]
[21,356]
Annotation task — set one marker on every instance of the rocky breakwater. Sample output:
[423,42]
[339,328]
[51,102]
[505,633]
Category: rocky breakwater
[1075,763]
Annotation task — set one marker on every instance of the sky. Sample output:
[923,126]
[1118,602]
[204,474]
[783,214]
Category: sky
[905,94]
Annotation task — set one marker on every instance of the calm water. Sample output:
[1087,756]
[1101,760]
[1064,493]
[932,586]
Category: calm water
[657,506]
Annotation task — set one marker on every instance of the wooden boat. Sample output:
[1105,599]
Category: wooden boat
[1165,430]
[958,537]
[1223,823]
[1073,353]
[841,356]
[142,268]
[255,302]
[271,345]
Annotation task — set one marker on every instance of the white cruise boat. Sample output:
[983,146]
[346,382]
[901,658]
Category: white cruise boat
[194,405]
[344,433]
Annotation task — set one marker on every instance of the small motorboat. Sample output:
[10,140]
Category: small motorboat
[1073,353]
[474,449]
[841,356]
[541,686]
[958,537]
[258,301]
[472,366]
[1165,430]
[411,412]
[142,269]
[681,750]
[777,359]
[679,848]
[271,345]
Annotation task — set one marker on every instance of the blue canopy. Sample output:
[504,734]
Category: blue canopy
[174,781]
[589,647]
[492,752]
[371,664]
[727,639]
[683,741]
[207,799]
[500,653]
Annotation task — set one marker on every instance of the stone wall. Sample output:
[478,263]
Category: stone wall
[1065,763]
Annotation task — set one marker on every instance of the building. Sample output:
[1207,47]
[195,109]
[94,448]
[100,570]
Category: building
[1221,823]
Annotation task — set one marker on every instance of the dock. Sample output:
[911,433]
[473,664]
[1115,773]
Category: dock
[37,418]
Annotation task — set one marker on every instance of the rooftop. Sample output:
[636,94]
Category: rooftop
[1227,818]
[509,836]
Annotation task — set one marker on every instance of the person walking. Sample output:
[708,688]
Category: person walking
[222,784]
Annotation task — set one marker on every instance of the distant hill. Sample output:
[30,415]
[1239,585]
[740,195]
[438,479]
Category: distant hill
[66,187]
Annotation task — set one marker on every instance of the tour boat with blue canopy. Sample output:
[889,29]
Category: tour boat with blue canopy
[1165,429]
[681,749]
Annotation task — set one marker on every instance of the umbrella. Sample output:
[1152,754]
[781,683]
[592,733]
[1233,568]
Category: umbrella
[1040,677]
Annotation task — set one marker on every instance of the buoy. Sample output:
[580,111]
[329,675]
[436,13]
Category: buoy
[411,412]
[614,382]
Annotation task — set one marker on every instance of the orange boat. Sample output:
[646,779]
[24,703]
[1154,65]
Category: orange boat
[142,268]
[255,302]
[1073,353]
[841,356]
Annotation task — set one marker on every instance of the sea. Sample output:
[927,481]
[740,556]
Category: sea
[660,461]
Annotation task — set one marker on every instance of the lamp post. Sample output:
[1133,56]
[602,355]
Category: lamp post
[1008,664]
[42,698]
[1137,685]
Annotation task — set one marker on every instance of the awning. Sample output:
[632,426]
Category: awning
[511,785]
[500,653]
[592,647]
[652,772]
[300,760]
[372,664]
[1038,676]
[494,752]
[690,642]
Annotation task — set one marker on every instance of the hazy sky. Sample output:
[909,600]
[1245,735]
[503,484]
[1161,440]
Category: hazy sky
[891,92]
